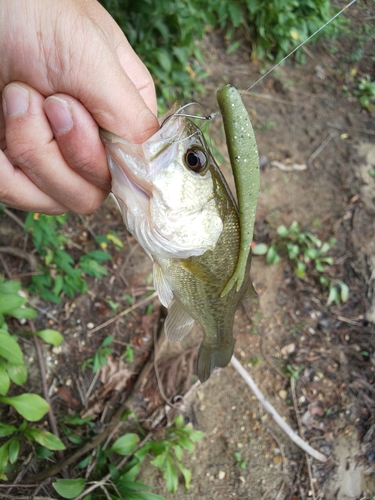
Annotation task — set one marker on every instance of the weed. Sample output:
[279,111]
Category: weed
[365,92]
[128,354]
[167,40]
[308,256]
[60,273]
[120,482]
[13,369]
[100,357]
[239,462]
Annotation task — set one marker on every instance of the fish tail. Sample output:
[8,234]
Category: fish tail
[210,357]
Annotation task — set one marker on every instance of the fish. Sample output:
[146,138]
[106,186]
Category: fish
[176,203]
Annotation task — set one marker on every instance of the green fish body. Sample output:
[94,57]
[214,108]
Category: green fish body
[177,204]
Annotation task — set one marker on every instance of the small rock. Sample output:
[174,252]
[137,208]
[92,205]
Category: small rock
[90,326]
[277,460]
[288,349]
[221,475]
[283,394]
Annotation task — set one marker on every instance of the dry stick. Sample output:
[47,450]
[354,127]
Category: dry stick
[17,252]
[42,368]
[13,216]
[106,478]
[293,388]
[271,410]
[285,475]
[123,313]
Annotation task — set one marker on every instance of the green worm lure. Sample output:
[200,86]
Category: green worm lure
[244,159]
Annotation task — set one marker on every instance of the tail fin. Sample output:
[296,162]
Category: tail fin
[210,357]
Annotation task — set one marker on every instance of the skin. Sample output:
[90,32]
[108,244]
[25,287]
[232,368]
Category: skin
[66,70]
[244,159]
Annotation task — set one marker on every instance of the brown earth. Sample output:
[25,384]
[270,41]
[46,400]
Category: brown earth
[301,117]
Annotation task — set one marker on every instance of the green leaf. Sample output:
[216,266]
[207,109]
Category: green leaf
[260,249]
[7,430]
[272,256]
[4,456]
[42,452]
[185,442]
[23,313]
[196,436]
[10,349]
[108,340]
[10,302]
[4,378]
[14,448]
[333,295]
[17,373]
[69,488]
[178,451]
[45,438]
[170,476]
[50,336]
[126,444]
[344,291]
[31,406]
[179,421]
[9,287]
[186,473]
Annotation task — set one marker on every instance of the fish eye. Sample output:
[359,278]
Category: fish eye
[195,160]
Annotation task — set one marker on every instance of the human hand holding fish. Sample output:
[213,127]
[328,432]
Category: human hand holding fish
[66,69]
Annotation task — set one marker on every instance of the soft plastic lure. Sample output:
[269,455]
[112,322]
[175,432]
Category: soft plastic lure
[244,158]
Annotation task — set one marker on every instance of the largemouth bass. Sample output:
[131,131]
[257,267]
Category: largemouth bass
[176,203]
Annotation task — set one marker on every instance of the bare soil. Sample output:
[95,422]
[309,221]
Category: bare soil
[301,117]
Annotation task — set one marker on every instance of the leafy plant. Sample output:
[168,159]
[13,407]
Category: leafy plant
[13,369]
[239,461]
[10,449]
[121,478]
[308,255]
[60,273]
[366,92]
[169,452]
[165,34]
[100,357]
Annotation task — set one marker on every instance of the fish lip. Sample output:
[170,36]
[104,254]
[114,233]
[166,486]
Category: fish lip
[110,140]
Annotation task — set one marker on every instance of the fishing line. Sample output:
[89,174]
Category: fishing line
[215,113]
[301,44]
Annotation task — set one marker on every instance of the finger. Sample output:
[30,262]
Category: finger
[32,147]
[77,135]
[100,81]
[130,62]
[18,191]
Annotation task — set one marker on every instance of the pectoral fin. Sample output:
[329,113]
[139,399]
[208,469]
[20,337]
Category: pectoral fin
[178,323]
[199,271]
[162,286]
[250,292]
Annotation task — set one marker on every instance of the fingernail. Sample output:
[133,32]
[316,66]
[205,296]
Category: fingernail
[58,114]
[16,100]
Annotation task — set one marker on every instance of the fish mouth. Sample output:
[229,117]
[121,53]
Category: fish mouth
[125,162]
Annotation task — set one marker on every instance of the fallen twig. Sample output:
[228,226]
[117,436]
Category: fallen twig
[17,252]
[293,388]
[123,313]
[42,369]
[271,410]
[13,216]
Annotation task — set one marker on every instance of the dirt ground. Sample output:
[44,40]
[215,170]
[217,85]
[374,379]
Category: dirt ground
[302,117]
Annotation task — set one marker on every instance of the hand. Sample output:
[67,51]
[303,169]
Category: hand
[66,70]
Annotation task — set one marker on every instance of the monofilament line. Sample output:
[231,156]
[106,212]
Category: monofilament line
[301,44]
